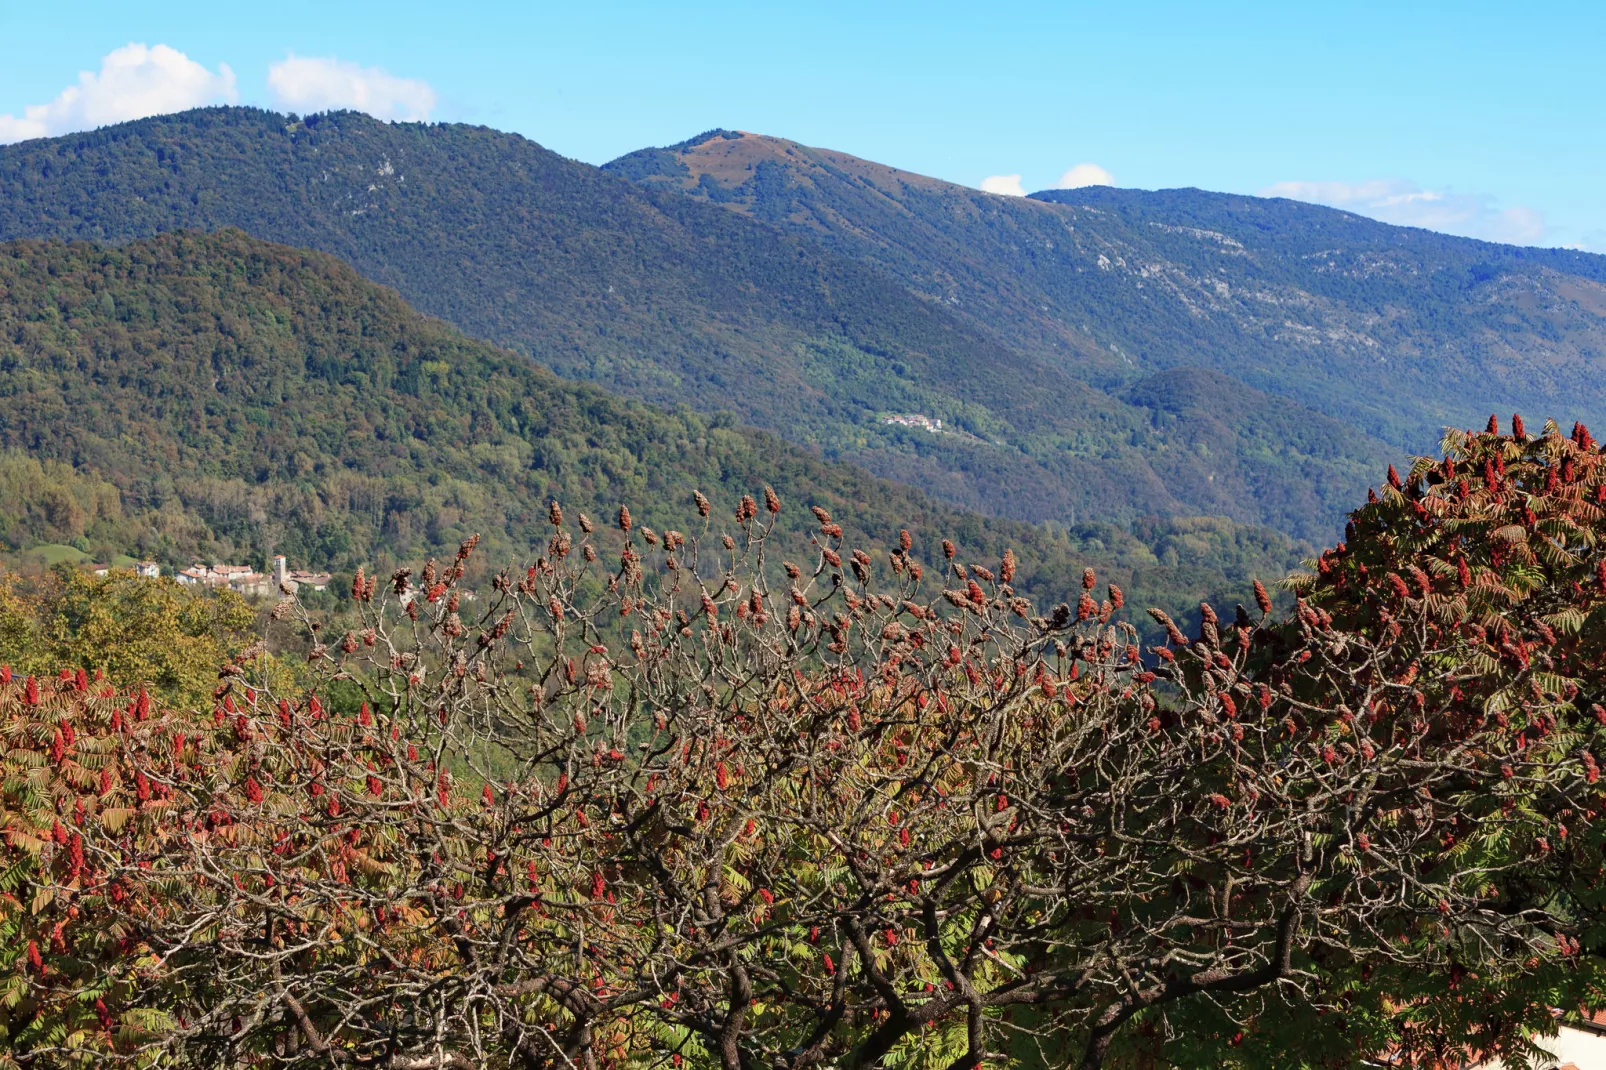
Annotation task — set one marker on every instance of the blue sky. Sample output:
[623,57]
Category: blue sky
[1481,119]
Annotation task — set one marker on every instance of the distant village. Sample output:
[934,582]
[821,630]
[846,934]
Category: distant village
[244,579]
[914,419]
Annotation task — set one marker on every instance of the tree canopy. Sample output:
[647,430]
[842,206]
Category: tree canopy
[655,801]
[244,398]
[661,299]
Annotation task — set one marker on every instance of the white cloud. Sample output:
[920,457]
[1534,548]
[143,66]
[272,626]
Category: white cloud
[1085,174]
[1406,204]
[134,81]
[323,83]
[1006,185]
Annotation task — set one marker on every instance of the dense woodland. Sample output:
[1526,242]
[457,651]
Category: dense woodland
[225,398]
[53,502]
[664,299]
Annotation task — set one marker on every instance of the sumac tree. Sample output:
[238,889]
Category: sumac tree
[691,805]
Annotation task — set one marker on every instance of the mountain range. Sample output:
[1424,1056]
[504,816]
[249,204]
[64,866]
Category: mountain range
[1397,331]
[1093,355]
[666,299]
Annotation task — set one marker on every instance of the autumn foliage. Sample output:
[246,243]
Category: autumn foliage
[659,799]
[94,792]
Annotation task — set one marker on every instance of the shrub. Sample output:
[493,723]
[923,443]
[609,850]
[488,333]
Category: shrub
[701,806]
[96,791]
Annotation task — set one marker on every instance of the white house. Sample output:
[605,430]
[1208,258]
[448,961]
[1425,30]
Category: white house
[1580,1045]
[147,570]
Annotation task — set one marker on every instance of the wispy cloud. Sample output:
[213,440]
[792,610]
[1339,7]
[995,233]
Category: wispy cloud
[323,83]
[1006,185]
[1082,174]
[134,81]
[1085,174]
[1407,204]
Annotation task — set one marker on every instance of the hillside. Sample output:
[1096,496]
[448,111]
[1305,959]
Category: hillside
[1392,330]
[676,302]
[221,396]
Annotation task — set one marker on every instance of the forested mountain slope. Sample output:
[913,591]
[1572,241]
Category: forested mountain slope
[227,397]
[677,302]
[1393,330]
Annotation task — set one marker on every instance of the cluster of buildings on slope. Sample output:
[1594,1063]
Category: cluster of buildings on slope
[246,580]
[241,578]
[914,419]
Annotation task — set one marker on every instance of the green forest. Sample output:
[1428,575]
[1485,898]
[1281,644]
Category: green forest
[658,297]
[217,397]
